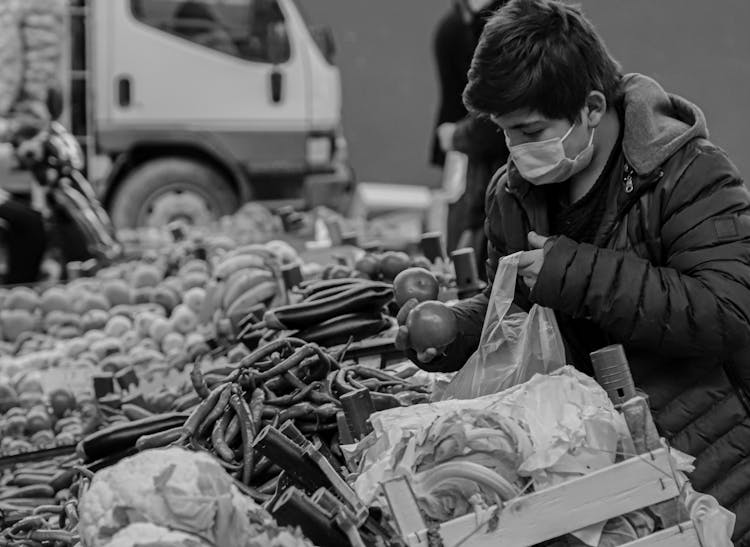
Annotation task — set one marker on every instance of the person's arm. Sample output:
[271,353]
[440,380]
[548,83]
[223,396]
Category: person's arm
[698,301]
[471,312]
[451,78]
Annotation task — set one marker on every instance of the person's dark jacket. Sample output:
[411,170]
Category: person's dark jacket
[454,45]
[668,276]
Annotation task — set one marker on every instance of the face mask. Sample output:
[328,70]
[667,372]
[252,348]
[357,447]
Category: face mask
[545,162]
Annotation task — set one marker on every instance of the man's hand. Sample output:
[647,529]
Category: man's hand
[530,262]
[402,336]
[445,132]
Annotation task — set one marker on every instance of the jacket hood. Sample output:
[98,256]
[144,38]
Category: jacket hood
[657,124]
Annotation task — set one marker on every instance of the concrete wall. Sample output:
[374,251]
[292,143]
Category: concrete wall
[698,49]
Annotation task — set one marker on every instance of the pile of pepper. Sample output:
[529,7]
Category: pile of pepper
[284,380]
[39,503]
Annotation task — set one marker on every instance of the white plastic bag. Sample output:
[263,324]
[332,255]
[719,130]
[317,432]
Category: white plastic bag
[454,175]
[513,346]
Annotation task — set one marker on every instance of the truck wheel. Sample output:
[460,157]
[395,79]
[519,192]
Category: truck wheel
[163,190]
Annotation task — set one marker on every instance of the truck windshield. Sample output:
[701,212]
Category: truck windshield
[235,27]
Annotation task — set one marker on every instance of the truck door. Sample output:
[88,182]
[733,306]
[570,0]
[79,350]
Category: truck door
[226,65]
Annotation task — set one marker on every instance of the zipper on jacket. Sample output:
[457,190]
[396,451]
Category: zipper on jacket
[632,198]
[628,178]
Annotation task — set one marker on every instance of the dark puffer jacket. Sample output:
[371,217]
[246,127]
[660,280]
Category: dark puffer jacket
[668,277]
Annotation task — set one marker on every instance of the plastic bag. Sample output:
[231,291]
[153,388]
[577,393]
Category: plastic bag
[513,346]
[454,175]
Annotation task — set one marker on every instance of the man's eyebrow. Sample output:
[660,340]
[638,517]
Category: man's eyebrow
[524,125]
[521,125]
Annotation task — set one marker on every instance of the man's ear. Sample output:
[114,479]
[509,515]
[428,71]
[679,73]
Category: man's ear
[596,107]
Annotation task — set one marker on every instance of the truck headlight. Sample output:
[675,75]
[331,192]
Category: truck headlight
[319,150]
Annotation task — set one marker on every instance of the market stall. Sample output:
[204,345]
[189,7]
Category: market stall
[239,386]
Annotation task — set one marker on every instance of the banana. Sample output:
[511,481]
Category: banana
[236,263]
[241,282]
[260,293]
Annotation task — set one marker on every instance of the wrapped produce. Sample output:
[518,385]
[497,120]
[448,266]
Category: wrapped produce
[180,491]
[11,56]
[31,46]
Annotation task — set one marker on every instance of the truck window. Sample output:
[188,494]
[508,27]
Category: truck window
[242,28]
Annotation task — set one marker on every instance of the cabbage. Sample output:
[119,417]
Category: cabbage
[143,534]
[181,491]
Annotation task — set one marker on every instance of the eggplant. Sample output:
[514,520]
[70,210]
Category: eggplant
[361,297]
[122,437]
[339,329]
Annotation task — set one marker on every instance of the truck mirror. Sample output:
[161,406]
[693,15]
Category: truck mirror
[323,37]
[278,43]
[55,103]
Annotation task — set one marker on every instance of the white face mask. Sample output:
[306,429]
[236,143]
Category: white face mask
[545,162]
[475,6]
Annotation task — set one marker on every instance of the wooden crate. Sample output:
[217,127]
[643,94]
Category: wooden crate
[633,484]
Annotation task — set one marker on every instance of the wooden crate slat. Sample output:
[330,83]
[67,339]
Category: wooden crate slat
[684,535]
[403,506]
[616,490]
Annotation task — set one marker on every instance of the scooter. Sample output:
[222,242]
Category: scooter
[78,229]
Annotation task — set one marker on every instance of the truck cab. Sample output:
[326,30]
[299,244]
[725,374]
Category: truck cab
[189,108]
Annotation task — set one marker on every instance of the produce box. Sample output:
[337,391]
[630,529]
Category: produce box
[530,519]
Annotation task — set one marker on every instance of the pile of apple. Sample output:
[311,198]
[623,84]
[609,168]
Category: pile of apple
[130,303]
[31,420]
[145,312]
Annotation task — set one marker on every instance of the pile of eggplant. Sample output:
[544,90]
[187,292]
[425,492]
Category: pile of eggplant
[327,312]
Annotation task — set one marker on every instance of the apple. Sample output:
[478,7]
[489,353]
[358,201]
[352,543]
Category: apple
[431,324]
[94,319]
[195,279]
[146,275]
[117,326]
[174,283]
[117,292]
[106,347]
[393,263]
[22,298]
[173,341]
[194,299]
[130,339]
[184,319]
[415,283]
[369,265]
[143,295]
[159,329]
[143,322]
[76,347]
[56,299]
[94,335]
[16,322]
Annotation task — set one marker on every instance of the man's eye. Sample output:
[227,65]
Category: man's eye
[533,133]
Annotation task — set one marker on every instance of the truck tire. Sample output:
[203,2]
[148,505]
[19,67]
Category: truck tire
[167,189]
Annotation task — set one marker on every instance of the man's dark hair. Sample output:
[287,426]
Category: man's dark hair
[541,55]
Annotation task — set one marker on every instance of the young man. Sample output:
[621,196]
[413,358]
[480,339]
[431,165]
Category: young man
[634,228]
